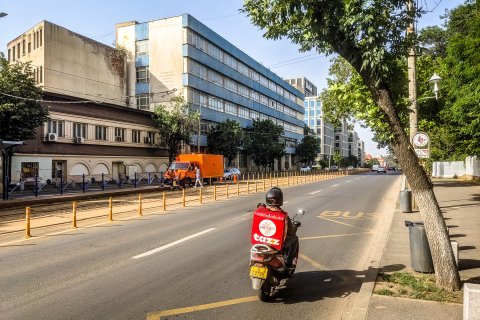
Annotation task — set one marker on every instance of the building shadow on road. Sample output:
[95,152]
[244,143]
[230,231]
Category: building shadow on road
[313,286]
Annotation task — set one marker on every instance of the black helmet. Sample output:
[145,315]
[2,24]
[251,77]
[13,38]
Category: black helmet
[274,197]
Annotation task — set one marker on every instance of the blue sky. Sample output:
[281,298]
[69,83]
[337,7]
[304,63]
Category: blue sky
[96,19]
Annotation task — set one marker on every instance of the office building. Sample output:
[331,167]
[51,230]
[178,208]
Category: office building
[314,119]
[304,85]
[222,82]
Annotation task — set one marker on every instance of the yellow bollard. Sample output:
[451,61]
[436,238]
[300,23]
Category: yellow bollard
[215,193]
[110,209]
[271,182]
[27,223]
[164,201]
[139,204]
[278,184]
[227,191]
[288,181]
[183,198]
[238,189]
[248,187]
[256,187]
[200,196]
[74,214]
[264,185]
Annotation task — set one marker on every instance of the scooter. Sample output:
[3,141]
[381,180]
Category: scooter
[267,265]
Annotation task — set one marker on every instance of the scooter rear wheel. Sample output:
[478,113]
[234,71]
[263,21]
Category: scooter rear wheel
[264,292]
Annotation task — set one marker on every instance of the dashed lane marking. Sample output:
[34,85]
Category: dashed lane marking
[335,185]
[148,253]
[349,181]
[312,193]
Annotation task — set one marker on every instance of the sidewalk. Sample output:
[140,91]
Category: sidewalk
[460,204]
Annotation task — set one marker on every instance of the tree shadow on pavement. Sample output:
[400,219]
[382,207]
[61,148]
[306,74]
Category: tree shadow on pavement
[466,264]
[313,286]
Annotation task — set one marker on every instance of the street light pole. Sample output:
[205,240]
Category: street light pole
[330,156]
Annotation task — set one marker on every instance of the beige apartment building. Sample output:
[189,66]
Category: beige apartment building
[93,129]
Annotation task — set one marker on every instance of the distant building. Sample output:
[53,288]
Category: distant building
[341,139]
[213,75]
[304,85]
[361,152]
[323,130]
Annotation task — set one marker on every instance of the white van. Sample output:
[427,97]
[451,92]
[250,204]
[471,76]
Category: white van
[375,167]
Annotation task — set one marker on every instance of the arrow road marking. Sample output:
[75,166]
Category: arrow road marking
[148,253]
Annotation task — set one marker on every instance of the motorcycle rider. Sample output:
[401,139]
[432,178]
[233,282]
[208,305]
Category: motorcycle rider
[274,201]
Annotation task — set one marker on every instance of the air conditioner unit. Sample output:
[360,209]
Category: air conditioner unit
[118,138]
[79,139]
[147,140]
[52,137]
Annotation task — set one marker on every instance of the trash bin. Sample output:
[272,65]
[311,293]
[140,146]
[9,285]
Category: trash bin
[406,200]
[420,255]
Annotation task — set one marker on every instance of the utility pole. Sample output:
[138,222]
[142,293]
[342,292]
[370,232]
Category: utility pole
[412,72]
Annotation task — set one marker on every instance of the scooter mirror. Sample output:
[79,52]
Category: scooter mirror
[301,212]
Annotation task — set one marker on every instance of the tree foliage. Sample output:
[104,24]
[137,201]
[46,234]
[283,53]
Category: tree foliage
[308,149]
[19,117]
[175,123]
[264,142]
[226,139]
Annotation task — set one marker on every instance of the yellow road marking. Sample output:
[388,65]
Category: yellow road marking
[171,312]
[312,262]
[335,235]
[345,224]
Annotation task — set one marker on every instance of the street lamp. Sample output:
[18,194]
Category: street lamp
[435,80]
[330,156]
[3,14]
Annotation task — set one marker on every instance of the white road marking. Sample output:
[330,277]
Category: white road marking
[348,181]
[335,185]
[148,253]
[357,178]
[315,192]
[285,202]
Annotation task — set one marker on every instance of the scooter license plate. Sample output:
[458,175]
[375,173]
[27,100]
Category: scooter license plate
[258,272]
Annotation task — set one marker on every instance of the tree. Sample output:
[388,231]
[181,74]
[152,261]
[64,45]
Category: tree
[226,139]
[371,37]
[308,149]
[337,158]
[175,123]
[264,142]
[20,110]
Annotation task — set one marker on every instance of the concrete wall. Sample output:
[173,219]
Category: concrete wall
[470,168]
[81,67]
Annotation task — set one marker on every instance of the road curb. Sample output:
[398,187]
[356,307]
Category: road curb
[360,307]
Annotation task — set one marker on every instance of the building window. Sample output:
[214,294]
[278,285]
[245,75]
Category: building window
[100,133]
[9,55]
[136,136]
[143,101]
[216,104]
[18,50]
[13,53]
[29,170]
[119,134]
[141,48]
[56,126]
[41,74]
[29,43]
[230,108]
[150,137]
[80,130]
[40,38]
[23,47]
[142,74]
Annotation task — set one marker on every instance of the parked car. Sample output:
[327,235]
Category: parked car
[229,173]
[305,169]
[375,167]
[392,168]
[381,169]
[333,168]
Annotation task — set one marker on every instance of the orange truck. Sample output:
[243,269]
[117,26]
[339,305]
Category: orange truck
[182,170]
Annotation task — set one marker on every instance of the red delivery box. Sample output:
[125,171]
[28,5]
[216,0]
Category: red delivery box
[268,228]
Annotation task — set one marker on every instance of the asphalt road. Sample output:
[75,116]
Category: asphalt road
[193,263]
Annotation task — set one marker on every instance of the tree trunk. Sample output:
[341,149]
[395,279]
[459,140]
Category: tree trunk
[446,272]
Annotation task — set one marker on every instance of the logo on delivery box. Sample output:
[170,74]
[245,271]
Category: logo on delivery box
[268,228]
